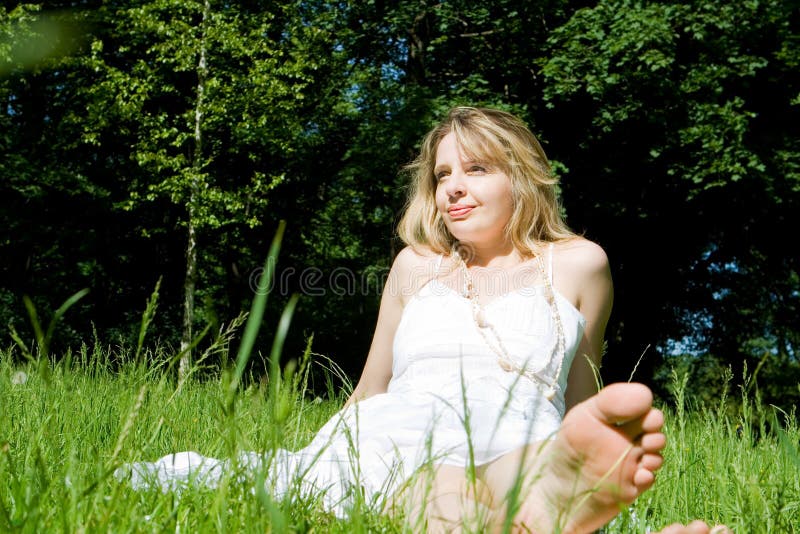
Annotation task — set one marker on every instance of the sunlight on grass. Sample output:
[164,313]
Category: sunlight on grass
[60,438]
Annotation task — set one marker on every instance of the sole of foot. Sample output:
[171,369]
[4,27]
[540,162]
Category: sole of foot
[604,456]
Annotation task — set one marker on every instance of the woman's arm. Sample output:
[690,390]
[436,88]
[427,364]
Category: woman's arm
[400,284]
[582,269]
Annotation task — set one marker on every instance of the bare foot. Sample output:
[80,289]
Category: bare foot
[695,527]
[603,457]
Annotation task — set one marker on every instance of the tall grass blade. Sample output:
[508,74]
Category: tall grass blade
[43,338]
[257,308]
[283,329]
[635,367]
[37,327]
[147,318]
[21,344]
[62,310]
[281,399]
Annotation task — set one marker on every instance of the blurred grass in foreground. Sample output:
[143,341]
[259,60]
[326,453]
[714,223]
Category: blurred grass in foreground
[62,435]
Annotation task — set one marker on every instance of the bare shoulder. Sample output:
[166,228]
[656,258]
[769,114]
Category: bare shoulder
[410,260]
[579,255]
[412,268]
[581,268]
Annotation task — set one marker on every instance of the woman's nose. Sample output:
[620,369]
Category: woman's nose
[455,186]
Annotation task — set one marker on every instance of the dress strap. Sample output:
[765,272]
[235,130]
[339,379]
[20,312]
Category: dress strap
[550,264]
[438,264]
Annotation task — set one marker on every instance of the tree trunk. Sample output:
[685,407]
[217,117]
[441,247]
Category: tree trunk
[191,246]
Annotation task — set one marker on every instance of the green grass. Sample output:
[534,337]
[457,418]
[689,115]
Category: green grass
[64,430]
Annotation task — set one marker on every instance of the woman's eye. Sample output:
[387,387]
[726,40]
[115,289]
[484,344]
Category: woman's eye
[441,175]
[477,169]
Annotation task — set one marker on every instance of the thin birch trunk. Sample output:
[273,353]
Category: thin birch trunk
[191,246]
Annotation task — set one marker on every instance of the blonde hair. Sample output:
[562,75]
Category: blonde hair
[503,141]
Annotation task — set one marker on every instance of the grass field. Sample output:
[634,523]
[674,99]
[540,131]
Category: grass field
[65,428]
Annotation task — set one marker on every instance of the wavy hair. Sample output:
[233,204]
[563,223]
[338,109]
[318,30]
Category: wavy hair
[503,141]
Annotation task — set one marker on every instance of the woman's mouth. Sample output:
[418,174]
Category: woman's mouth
[459,211]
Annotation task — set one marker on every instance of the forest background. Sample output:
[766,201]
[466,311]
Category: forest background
[164,140]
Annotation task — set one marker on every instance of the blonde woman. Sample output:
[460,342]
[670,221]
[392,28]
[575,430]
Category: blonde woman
[490,326]
[492,321]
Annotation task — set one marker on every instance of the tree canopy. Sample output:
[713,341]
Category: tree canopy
[127,125]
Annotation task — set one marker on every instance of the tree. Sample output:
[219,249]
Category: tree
[207,93]
[682,126]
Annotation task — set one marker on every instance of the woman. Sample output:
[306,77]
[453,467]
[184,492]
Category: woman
[502,293]
[490,328]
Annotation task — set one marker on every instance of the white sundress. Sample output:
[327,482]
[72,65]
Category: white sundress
[448,402]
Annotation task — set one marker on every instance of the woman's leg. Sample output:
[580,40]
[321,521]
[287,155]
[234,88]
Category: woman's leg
[604,456]
[444,500]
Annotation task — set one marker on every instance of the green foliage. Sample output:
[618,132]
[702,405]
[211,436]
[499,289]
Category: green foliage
[713,469]
[151,88]
[690,67]
[29,38]
[679,113]
[673,126]
[60,440]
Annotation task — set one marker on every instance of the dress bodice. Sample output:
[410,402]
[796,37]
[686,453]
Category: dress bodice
[437,342]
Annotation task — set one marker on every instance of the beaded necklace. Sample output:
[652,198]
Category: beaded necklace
[503,357]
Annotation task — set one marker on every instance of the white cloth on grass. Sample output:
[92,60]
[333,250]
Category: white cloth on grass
[448,402]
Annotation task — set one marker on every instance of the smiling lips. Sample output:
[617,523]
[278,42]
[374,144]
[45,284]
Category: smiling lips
[459,210]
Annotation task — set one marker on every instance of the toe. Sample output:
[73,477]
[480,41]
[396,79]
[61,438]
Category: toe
[621,403]
[643,479]
[652,462]
[653,442]
[653,421]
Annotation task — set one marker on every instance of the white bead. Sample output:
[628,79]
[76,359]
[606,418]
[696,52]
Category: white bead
[480,318]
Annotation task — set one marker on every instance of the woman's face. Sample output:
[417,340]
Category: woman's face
[474,198]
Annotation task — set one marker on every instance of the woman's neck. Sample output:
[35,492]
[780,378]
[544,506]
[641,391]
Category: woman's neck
[503,256]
